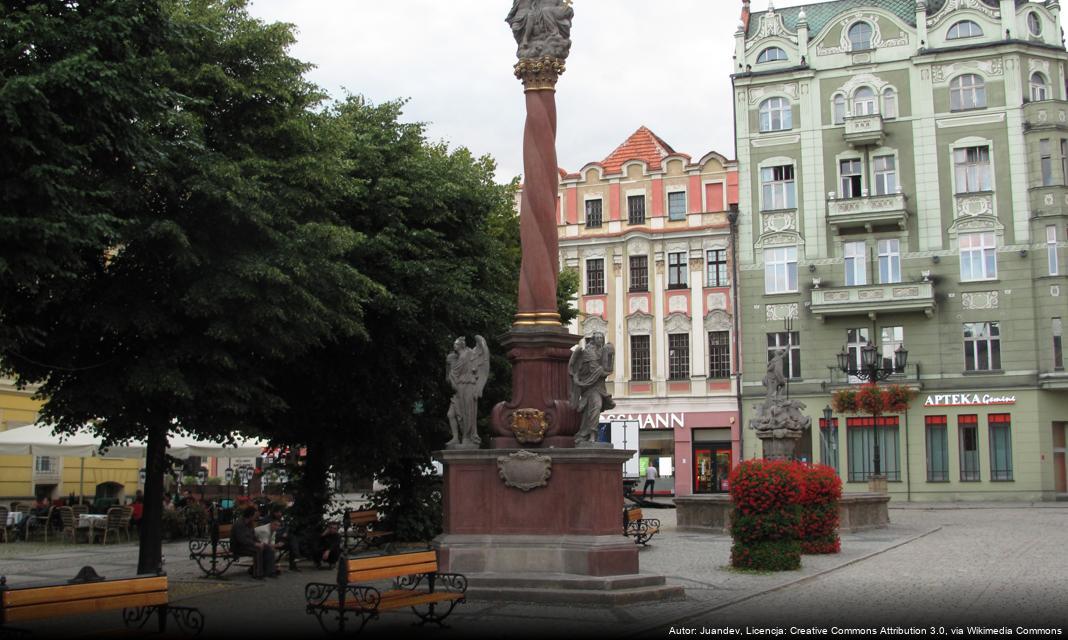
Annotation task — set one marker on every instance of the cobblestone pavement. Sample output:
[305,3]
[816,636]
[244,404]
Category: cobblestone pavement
[941,564]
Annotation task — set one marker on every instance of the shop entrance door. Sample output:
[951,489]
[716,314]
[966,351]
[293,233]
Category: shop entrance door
[1060,473]
[712,466]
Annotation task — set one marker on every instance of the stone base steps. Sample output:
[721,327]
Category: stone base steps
[572,589]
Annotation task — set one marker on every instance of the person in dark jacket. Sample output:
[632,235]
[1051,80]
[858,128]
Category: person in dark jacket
[243,542]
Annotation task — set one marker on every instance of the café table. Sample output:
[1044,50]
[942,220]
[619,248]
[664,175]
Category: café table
[92,522]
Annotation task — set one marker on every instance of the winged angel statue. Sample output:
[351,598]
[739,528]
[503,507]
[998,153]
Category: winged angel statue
[541,27]
[466,370]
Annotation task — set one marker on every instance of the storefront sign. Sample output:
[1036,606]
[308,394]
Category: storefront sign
[967,400]
[650,420]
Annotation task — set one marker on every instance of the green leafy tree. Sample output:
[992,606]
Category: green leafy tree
[208,258]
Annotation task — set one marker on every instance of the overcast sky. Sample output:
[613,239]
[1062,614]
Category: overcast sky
[664,64]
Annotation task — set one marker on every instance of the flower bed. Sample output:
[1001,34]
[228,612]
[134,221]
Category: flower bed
[766,517]
[821,489]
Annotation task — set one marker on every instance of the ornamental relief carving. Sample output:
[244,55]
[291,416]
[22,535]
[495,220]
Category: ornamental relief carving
[716,301]
[789,88]
[1035,64]
[984,223]
[640,324]
[952,5]
[971,206]
[677,323]
[637,247]
[778,239]
[594,324]
[877,40]
[595,307]
[717,320]
[979,300]
[778,222]
[678,304]
[836,296]
[863,80]
[871,294]
[638,304]
[905,292]
[777,312]
[594,252]
[991,67]
[771,24]
[716,243]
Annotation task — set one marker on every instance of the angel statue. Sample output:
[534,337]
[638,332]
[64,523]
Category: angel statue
[541,27]
[589,366]
[466,370]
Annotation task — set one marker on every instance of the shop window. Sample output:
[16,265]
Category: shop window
[860,435]
[937,449]
[711,468]
[1000,446]
[968,432]
[829,443]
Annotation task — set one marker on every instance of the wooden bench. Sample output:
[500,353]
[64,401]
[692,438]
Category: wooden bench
[641,529]
[212,554]
[360,530]
[416,584]
[141,598]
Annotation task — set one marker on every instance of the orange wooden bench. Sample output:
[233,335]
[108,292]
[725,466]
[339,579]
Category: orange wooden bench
[141,599]
[641,529]
[360,529]
[416,584]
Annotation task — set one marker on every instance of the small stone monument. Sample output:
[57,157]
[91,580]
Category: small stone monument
[779,421]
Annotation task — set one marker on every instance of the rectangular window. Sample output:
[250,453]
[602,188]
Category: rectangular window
[1064,161]
[982,346]
[719,354]
[777,188]
[790,343]
[889,260]
[639,273]
[978,256]
[639,358]
[829,443]
[677,205]
[860,440]
[885,175]
[1051,250]
[937,449]
[678,356]
[972,169]
[595,277]
[891,339]
[677,270]
[593,213]
[856,340]
[780,270]
[1058,353]
[44,464]
[856,263]
[636,209]
[1045,151]
[716,268]
[1000,446]
[850,173]
[968,432]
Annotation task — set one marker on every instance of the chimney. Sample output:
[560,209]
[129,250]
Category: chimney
[745,14]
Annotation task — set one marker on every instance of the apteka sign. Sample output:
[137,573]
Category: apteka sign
[967,400]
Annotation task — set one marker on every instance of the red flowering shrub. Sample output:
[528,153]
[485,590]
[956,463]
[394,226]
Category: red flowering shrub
[766,518]
[821,488]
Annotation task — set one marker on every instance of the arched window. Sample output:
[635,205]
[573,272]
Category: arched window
[1034,24]
[964,29]
[1039,87]
[771,54]
[967,91]
[838,109]
[775,115]
[860,36]
[864,102]
[889,103]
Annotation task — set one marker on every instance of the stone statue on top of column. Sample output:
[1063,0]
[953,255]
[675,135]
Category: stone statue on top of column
[542,28]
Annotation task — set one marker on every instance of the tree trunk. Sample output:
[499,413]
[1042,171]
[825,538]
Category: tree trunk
[150,555]
[312,494]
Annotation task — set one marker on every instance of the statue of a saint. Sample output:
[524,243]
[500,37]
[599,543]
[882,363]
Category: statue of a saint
[466,370]
[589,366]
[774,379]
[541,27]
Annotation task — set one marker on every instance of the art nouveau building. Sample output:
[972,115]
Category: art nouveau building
[903,181]
[647,229]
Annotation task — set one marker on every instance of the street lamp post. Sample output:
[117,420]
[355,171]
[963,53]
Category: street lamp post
[873,369]
[829,445]
[228,474]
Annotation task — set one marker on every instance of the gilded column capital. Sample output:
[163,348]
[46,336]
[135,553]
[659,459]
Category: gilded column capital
[539,74]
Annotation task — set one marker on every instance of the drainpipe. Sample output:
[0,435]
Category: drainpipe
[732,217]
[908,470]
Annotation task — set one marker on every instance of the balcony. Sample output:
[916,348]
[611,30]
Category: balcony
[862,131]
[1045,114]
[867,212]
[874,299]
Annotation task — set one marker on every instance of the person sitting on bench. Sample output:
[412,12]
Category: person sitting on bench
[243,542]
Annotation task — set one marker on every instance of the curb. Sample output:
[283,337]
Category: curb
[730,603]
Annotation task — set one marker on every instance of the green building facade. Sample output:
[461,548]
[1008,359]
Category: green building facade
[903,180]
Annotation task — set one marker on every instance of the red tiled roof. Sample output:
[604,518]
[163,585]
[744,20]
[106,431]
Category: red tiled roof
[642,145]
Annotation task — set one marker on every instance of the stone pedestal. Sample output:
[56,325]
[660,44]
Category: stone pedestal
[541,525]
[876,484]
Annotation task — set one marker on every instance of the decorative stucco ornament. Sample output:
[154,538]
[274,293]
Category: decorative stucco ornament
[525,470]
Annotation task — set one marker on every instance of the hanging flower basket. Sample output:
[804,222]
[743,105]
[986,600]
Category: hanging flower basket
[873,400]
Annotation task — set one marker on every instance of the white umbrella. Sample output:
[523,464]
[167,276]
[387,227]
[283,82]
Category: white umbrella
[38,440]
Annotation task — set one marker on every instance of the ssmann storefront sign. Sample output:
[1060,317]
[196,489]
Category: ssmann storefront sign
[650,420]
[967,400]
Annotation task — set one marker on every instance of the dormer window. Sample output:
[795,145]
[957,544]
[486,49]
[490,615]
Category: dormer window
[860,35]
[1034,24]
[964,29]
[771,54]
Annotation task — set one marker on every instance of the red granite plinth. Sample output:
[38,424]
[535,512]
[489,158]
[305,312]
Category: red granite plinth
[539,357]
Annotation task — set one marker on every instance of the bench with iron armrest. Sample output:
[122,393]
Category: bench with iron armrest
[141,599]
[641,529]
[360,530]
[212,554]
[416,584]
